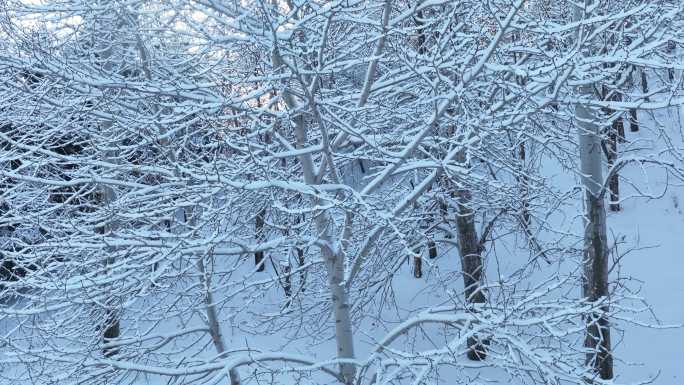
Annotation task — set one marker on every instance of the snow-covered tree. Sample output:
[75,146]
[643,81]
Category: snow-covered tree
[222,186]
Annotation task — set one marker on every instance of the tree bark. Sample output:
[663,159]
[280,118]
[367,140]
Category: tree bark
[212,320]
[471,265]
[302,273]
[112,331]
[611,148]
[334,260]
[614,182]
[670,50]
[417,263]
[644,84]
[525,186]
[112,327]
[432,249]
[633,120]
[259,233]
[633,117]
[595,285]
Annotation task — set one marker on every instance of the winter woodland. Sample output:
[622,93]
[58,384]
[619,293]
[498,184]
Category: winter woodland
[354,192]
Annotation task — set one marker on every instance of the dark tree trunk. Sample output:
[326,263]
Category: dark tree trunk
[302,273]
[432,249]
[471,265]
[633,120]
[633,117]
[595,288]
[259,231]
[611,148]
[112,331]
[301,260]
[614,181]
[9,271]
[111,326]
[620,128]
[287,280]
[417,263]
[670,49]
[644,84]
[524,185]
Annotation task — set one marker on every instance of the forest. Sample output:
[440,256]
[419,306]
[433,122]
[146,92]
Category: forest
[350,192]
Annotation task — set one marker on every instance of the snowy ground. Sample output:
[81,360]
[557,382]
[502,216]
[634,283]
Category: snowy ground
[655,229]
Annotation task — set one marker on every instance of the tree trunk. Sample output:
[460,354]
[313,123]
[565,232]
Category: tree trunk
[417,263]
[111,326]
[334,261]
[611,148]
[644,84]
[471,265]
[212,320]
[670,50]
[524,185]
[620,127]
[287,280]
[9,271]
[614,182]
[595,285]
[112,329]
[633,117]
[302,273]
[343,325]
[633,120]
[259,232]
[432,249]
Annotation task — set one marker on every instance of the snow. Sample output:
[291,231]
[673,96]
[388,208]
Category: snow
[168,248]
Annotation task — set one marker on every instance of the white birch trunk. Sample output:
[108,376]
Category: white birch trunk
[595,285]
[212,320]
[334,261]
